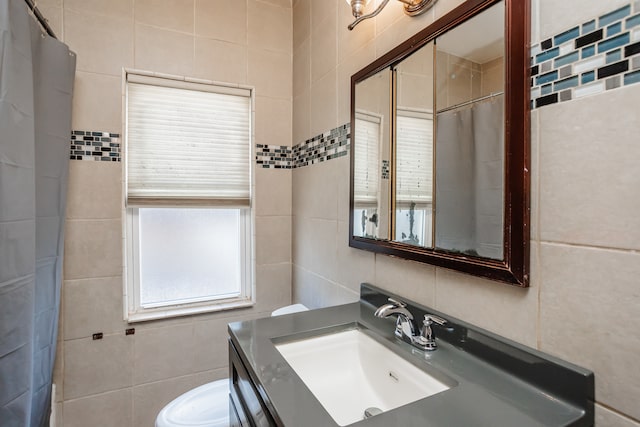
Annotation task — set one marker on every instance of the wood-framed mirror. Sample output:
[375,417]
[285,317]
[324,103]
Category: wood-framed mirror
[440,145]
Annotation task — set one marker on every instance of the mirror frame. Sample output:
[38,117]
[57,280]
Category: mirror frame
[514,269]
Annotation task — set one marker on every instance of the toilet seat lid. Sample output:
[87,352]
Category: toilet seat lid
[295,308]
[204,406]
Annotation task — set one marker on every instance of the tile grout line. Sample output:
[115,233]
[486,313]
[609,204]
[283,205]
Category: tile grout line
[593,247]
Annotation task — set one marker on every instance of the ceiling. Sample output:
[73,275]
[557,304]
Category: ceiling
[480,39]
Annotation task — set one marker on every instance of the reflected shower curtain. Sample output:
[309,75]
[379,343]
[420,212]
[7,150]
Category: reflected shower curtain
[36,83]
[470,179]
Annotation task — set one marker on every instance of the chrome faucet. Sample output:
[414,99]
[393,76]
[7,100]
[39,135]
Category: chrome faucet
[404,322]
[405,328]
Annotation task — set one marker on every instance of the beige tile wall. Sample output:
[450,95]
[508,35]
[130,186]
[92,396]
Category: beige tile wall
[583,304]
[583,260]
[125,380]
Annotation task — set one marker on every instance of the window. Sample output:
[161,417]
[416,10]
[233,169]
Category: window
[414,180]
[414,151]
[367,162]
[188,197]
[367,170]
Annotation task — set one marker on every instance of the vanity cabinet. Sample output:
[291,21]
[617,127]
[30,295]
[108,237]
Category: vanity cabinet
[246,407]
[496,381]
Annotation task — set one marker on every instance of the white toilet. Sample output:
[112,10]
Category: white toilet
[207,405]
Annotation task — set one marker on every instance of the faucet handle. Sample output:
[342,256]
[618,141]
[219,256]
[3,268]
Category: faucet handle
[427,338]
[397,302]
[431,318]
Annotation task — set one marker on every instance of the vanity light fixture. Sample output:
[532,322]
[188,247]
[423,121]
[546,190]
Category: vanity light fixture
[411,8]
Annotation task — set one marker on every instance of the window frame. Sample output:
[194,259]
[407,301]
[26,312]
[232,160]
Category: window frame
[133,309]
[420,114]
[376,119]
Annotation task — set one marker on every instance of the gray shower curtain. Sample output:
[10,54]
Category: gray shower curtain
[36,83]
[470,179]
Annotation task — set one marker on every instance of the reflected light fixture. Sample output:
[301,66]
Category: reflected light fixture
[411,8]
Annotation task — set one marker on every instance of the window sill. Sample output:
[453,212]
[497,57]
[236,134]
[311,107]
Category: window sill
[177,311]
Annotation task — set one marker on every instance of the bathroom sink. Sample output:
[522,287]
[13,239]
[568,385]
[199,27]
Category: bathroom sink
[350,373]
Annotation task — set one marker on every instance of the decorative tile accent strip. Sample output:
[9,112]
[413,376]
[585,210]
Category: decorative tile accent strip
[105,147]
[329,145]
[96,146]
[274,156]
[599,55]
[385,169]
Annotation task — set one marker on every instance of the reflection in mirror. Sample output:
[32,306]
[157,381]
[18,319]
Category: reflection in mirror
[413,163]
[371,148]
[469,211]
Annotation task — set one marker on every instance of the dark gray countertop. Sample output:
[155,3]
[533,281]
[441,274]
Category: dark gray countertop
[499,383]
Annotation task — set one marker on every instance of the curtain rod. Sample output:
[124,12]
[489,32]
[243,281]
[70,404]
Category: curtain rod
[41,19]
[462,104]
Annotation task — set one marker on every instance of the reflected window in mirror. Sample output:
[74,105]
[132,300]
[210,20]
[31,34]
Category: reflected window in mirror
[414,177]
[367,188]
[371,150]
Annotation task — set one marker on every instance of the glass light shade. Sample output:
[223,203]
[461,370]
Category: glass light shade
[358,6]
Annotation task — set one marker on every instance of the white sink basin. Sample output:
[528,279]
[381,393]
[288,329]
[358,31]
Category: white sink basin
[349,372]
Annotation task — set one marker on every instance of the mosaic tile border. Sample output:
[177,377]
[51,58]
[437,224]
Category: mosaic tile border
[598,55]
[105,147]
[274,156]
[385,169]
[326,146]
[96,146]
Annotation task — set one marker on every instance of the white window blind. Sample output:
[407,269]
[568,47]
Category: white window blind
[366,163]
[414,157]
[187,143]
